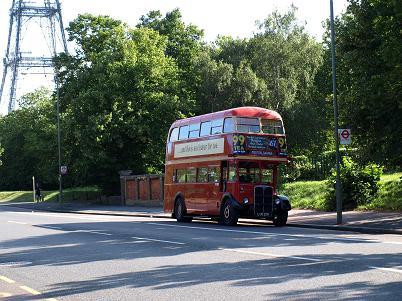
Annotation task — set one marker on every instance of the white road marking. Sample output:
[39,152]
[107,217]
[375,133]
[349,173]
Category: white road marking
[14,263]
[393,242]
[271,255]
[93,232]
[68,216]
[15,222]
[386,269]
[159,240]
[328,237]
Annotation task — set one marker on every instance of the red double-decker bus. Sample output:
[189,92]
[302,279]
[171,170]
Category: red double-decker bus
[224,165]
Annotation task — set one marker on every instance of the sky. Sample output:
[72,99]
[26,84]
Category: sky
[216,17]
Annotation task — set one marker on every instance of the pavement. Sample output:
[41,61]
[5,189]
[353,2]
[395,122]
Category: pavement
[372,222]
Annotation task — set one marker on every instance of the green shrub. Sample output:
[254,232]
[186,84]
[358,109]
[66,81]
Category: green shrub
[314,166]
[359,184]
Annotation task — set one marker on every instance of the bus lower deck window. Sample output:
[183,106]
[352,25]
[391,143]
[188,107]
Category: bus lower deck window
[202,175]
[214,174]
[181,176]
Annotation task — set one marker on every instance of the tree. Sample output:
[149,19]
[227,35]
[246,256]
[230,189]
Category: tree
[369,51]
[286,58]
[247,89]
[120,97]
[29,132]
[184,44]
[215,82]
[231,51]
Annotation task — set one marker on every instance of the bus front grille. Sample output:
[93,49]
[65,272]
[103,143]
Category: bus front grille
[263,201]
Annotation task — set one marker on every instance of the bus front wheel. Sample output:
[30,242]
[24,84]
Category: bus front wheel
[228,215]
[281,219]
[180,212]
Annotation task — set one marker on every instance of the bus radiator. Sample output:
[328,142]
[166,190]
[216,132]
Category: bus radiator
[263,201]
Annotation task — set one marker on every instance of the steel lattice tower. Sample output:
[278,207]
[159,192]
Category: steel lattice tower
[47,15]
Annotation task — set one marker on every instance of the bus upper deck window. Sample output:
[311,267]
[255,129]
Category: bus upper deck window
[248,125]
[205,128]
[174,135]
[270,126]
[183,134]
[228,125]
[194,130]
[216,126]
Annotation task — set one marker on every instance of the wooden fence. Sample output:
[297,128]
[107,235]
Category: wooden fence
[142,190]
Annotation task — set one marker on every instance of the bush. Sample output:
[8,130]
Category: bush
[301,168]
[314,166]
[359,184]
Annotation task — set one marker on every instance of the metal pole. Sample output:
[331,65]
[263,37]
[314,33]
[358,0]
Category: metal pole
[58,135]
[338,182]
[33,188]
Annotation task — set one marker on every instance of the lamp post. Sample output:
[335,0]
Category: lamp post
[56,78]
[335,102]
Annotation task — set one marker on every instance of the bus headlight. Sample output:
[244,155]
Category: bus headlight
[245,200]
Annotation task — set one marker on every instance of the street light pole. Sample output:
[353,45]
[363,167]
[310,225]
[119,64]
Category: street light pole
[335,102]
[58,135]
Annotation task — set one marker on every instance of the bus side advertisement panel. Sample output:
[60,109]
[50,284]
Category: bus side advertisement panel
[199,148]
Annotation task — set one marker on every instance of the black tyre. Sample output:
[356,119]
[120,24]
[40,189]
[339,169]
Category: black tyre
[180,212]
[228,215]
[281,219]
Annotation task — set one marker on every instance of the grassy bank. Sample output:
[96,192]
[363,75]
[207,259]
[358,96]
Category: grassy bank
[311,194]
[80,194]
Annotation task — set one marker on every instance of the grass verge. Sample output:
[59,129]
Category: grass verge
[311,194]
[79,194]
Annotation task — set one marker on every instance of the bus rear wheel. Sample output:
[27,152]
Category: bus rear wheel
[180,212]
[228,215]
[281,219]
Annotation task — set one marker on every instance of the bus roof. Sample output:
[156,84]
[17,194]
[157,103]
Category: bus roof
[241,111]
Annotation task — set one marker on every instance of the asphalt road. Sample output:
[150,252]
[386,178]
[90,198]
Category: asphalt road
[61,256]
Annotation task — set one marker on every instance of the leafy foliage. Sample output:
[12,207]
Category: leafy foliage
[184,44]
[120,97]
[28,137]
[369,44]
[360,184]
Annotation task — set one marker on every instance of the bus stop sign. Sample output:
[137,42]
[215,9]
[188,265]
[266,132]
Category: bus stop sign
[63,170]
[344,136]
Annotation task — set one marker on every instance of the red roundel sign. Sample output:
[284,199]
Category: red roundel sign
[344,136]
